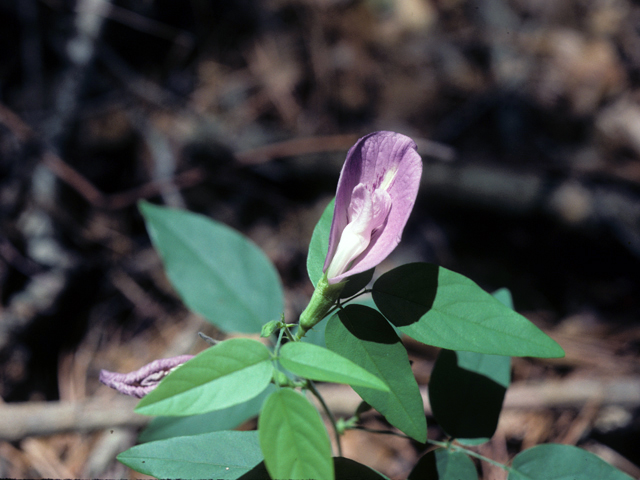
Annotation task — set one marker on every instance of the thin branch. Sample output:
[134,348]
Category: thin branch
[295,147]
[329,413]
[84,187]
[471,453]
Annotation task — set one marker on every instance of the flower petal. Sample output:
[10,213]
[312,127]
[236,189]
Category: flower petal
[381,162]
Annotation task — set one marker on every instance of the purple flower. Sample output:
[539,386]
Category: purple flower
[377,189]
[145,379]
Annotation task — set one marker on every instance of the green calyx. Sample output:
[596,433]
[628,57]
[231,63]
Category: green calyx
[324,298]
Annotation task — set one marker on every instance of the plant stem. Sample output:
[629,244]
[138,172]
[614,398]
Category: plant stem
[279,342]
[383,432]
[471,453]
[356,295]
[342,303]
[323,298]
[332,419]
[289,334]
[448,445]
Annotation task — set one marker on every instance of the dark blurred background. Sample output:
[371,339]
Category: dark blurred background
[526,113]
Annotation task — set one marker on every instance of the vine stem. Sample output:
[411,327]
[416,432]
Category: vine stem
[332,419]
[342,303]
[288,333]
[337,306]
[356,295]
[471,453]
[383,432]
[448,445]
[279,342]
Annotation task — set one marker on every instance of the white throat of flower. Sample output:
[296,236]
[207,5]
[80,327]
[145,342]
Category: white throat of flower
[367,212]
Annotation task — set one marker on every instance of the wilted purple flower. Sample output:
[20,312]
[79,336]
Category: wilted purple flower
[377,189]
[145,379]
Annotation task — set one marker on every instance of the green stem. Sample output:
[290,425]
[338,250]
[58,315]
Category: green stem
[354,296]
[448,445]
[471,453]
[324,297]
[383,432]
[279,342]
[288,333]
[342,302]
[332,419]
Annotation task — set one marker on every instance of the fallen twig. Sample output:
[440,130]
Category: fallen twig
[574,393]
[21,420]
[18,421]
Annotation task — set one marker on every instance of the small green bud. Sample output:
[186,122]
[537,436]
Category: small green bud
[281,379]
[270,327]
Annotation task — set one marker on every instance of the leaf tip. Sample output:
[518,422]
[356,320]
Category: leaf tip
[144,206]
[558,351]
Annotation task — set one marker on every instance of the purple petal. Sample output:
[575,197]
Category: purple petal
[142,381]
[382,160]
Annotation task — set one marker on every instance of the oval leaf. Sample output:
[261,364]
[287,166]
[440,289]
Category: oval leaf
[316,363]
[225,455]
[466,391]
[227,374]
[345,469]
[293,438]
[443,464]
[562,462]
[364,336]
[219,273]
[161,428]
[442,308]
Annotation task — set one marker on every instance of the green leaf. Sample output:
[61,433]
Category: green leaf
[504,296]
[318,248]
[319,245]
[442,308]
[364,336]
[293,439]
[562,462]
[227,374]
[161,428]
[259,472]
[316,363]
[443,464]
[345,469]
[357,282]
[466,391]
[316,334]
[219,273]
[224,455]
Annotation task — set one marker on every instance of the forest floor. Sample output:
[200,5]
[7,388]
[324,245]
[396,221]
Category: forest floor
[526,113]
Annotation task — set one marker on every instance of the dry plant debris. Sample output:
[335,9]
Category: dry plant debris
[526,113]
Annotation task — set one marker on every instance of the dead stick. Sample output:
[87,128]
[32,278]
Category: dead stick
[22,420]
[574,393]
[295,147]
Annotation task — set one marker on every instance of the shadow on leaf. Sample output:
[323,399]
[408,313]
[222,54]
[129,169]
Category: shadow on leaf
[406,293]
[465,403]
